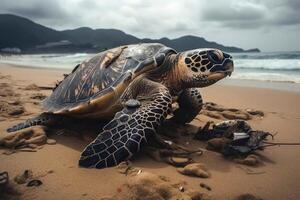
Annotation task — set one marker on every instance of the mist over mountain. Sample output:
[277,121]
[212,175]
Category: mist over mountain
[18,33]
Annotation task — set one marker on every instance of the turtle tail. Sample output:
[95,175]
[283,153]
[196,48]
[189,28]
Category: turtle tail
[44,119]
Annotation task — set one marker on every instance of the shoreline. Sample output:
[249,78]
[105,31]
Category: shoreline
[272,85]
[37,67]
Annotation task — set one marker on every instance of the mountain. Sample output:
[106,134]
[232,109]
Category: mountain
[104,38]
[193,42]
[23,33]
[30,37]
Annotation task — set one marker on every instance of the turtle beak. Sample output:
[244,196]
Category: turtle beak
[228,64]
[225,68]
[229,68]
[221,71]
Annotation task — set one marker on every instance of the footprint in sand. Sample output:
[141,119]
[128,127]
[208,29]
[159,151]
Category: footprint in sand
[10,108]
[151,186]
[10,105]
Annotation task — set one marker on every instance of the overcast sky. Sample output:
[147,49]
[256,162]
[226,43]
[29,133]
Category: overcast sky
[271,25]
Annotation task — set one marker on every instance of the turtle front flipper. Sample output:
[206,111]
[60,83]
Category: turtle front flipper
[131,128]
[190,104]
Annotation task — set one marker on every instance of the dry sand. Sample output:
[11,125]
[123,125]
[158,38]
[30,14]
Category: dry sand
[278,177]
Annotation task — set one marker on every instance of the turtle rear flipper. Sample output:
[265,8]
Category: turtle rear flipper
[130,129]
[44,119]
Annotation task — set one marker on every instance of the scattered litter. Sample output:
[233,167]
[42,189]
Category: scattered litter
[126,168]
[235,137]
[8,190]
[3,178]
[181,189]
[34,183]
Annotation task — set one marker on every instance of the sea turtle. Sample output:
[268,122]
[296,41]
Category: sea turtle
[133,86]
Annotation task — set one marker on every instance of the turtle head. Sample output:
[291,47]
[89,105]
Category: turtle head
[205,67]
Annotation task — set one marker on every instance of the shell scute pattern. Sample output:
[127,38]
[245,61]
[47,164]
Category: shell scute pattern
[96,75]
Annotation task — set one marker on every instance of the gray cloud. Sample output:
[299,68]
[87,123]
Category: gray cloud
[252,14]
[51,12]
[34,8]
[247,23]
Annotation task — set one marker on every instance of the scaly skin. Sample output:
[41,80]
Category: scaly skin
[130,129]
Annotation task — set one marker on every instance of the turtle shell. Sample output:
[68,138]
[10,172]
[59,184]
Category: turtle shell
[100,75]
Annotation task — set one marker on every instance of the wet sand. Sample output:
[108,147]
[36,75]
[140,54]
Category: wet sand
[277,178]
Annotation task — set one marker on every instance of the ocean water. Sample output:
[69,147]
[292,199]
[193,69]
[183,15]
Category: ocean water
[273,66]
[265,66]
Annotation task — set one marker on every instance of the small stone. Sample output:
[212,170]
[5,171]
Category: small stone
[217,144]
[51,141]
[178,161]
[203,185]
[250,160]
[195,169]
[16,110]
[33,146]
[25,149]
[248,197]
[255,112]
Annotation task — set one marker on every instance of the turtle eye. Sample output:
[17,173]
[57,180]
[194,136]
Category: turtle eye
[215,56]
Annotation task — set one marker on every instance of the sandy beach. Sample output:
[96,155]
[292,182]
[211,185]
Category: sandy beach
[277,178]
